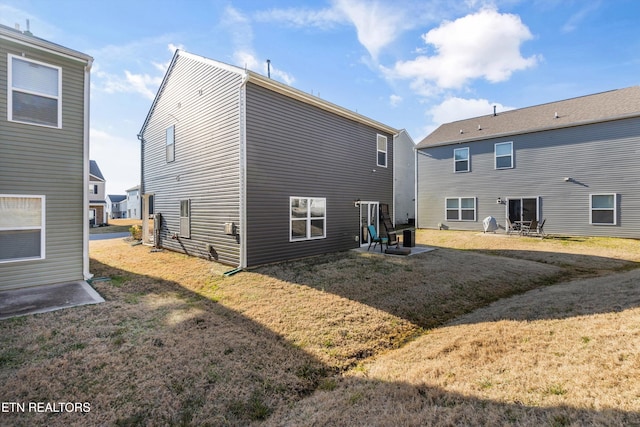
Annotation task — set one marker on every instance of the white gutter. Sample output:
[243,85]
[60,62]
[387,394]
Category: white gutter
[86,145]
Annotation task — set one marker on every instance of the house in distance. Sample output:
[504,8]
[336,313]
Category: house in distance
[572,162]
[245,170]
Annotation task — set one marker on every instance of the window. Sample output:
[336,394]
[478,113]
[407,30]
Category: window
[93,188]
[22,228]
[185,218]
[382,151]
[307,218]
[504,155]
[603,209]
[461,209]
[34,92]
[171,143]
[461,159]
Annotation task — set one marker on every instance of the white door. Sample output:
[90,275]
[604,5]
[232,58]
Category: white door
[368,216]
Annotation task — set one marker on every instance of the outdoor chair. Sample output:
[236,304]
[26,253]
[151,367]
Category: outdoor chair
[511,227]
[540,230]
[531,228]
[374,238]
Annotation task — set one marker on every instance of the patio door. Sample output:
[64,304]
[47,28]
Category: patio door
[368,216]
[148,220]
[523,209]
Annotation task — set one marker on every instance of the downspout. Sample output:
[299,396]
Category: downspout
[393,187]
[243,169]
[85,216]
[415,187]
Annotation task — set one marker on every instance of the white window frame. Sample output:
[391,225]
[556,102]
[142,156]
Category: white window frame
[170,147]
[41,227]
[455,161]
[11,90]
[307,219]
[459,209]
[510,155]
[185,221]
[614,209]
[379,139]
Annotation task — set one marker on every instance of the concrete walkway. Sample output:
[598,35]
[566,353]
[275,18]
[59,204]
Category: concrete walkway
[105,236]
[42,299]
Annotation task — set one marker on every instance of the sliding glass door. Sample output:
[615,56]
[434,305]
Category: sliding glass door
[523,209]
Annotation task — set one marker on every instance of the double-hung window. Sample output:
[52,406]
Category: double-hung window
[22,228]
[461,208]
[504,155]
[381,142]
[34,92]
[602,209]
[307,218]
[461,159]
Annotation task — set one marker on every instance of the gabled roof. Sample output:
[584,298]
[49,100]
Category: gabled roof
[116,198]
[270,84]
[599,107]
[26,38]
[94,170]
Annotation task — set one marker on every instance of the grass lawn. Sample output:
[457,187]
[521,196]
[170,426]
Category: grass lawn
[485,330]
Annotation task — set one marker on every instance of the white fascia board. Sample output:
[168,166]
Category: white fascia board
[315,101]
[39,44]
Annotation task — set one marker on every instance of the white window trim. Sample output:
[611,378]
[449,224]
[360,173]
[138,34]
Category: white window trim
[495,155]
[10,91]
[187,219]
[459,199]
[308,220]
[173,144]
[455,162]
[386,150]
[614,209]
[42,227]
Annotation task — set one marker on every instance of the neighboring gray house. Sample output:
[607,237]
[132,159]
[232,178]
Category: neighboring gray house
[44,161]
[115,207]
[572,162]
[134,206]
[404,173]
[97,200]
[246,170]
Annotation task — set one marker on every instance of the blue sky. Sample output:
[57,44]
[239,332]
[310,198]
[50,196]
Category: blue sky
[409,64]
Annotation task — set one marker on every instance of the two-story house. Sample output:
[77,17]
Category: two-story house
[97,199]
[134,203]
[246,170]
[44,161]
[572,162]
[115,206]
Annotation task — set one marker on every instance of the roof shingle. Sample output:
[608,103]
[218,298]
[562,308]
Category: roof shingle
[599,107]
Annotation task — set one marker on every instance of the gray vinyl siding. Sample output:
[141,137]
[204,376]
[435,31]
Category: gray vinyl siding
[601,158]
[295,149]
[37,160]
[202,102]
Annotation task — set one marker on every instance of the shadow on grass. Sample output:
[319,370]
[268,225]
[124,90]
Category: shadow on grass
[434,288]
[359,401]
[156,353]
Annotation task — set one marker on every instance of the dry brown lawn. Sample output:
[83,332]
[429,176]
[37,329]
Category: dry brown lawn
[485,330]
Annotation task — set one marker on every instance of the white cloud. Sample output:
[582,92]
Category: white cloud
[377,23]
[453,109]
[395,100]
[298,17]
[485,45]
[142,84]
[581,15]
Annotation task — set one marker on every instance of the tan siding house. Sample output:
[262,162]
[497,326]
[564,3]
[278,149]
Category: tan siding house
[44,161]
